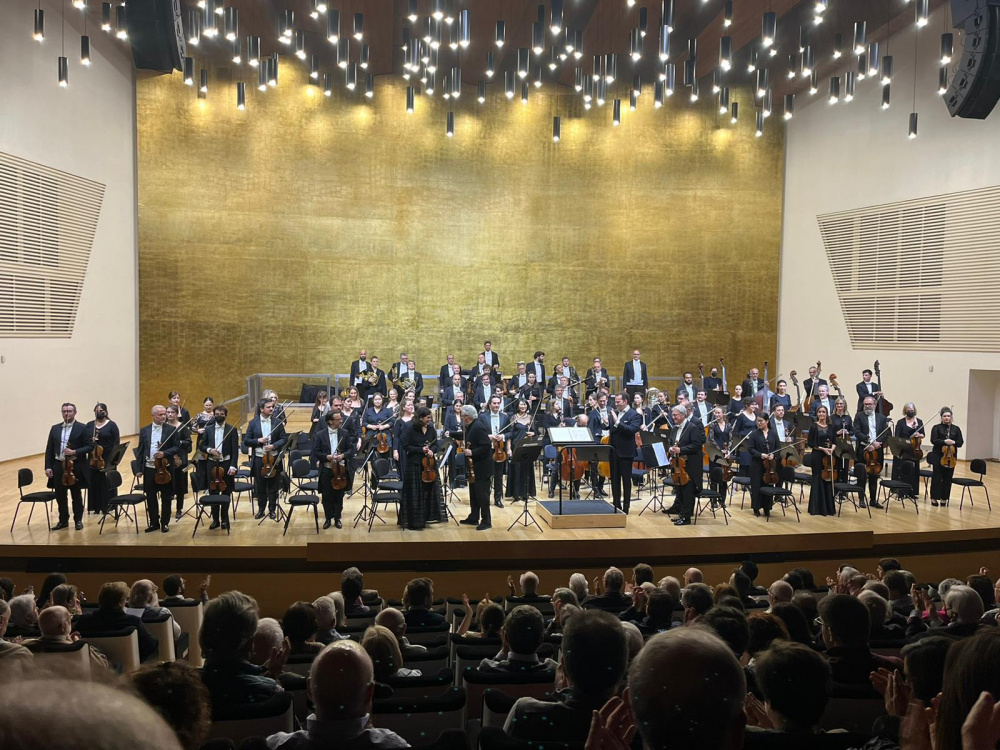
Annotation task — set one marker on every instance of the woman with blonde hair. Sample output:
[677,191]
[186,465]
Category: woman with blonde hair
[383,648]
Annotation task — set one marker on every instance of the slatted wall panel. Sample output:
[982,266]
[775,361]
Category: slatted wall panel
[47,223]
[919,274]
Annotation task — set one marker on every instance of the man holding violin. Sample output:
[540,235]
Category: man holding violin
[871,430]
[496,422]
[155,450]
[264,438]
[686,439]
[66,465]
[221,443]
[332,446]
[478,451]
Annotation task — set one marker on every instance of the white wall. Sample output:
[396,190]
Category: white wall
[855,155]
[86,129]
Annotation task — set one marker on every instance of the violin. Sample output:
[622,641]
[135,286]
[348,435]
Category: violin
[428,471]
[218,483]
[572,470]
[162,465]
[678,470]
[97,455]
[382,442]
[949,454]
[827,472]
[499,452]
[918,452]
[68,476]
[770,471]
[872,465]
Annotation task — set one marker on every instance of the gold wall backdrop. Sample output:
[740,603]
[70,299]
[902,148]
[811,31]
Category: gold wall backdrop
[286,237]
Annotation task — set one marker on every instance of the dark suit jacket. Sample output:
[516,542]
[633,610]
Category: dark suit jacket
[748,387]
[142,450]
[477,439]
[230,443]
[486,418]
[816,403]
[356,369]
[446,374]
[495,361]
[627,373]
[104,621]
[480,397]
[861,429]
[380,385]
[683,388]
[692,437]
[322,448]
[540,376]
[759,446]
[712,384]
[622,435]
[448,395]
[862,389]
[254,434]
[80,439]
[593,376]
[807,385]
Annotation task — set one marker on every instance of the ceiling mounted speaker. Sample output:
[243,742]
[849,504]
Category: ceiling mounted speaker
[975,87]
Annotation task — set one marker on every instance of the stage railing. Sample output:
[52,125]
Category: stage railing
[256,385]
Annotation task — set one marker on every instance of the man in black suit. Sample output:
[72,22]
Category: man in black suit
[569,371]
[753,383]
[599,422]
[871,430]
[221,443]
[702,409]
[484,391]
[479,450]
[491,358]
[397,372]
[634,376]
[565,400]
[867,387]
[496,422]
[810,383]
[155,442]
[686,439]
[447,370]
[687,387]
[781,427]
[597,377]
[415,379]
[265,435]
[359,369]
[625,422]
[713,382]
[68,439]
[822,399]
[538,365]
[519,380]
[380,384]
[330,446]
[452,391]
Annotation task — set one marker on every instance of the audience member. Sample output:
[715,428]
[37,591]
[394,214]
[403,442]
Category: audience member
[879,588]
[983,586]
[970,670]
[15,659]
[387,659]
[523,632]
[881,629]
[175,691]
[417,601]
[659,613]
[730,625]
[173,590]
[23,617]
[921,680]
[739,581]
[299,626]
[899,592]
[595,657]
[56,626]
[66,595]
[325,609]
[392,619]
[793,579]
[779,592]
[268,639]
[227,636]
[110,616]
[807,604]
[633,637]
[763,628]
[750,569]
[529,589]
[846,624]
[696,599]
[578,585]
[795,684]
[613,598]
[726,589]
[55,713]
[51,581]
[489,617]
[642,573]
[672,586]
[143,596]
[7,589]
[693,575]
[886,565]
[963,607]
[796,623]
[352,583]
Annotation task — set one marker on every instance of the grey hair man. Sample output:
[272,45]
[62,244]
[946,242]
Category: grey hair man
[393,619]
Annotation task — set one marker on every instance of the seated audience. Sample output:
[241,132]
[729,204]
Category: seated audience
[642,573]
[846,625]
[392,619]
[529,590]
[489,616]
[729,624]
[418,597]
[886,565]
[794,682]
[66,595]
[299,627]
[352,583]
[56,626]
[51,581]
[882,629]
[23,617]
[739,581]
[579,586]
[778,592]
[325,609]
[697,600]
[672,586]
[807,604]
[983,586]
[7,589]
[143,596]
[522,633]
[763,628]
[227,636]
[750,569]
[387,660]
[693,575]
[173,590]
[15,659]
[268,639]
[341,685]
[175,691]
[633,637]
[659,611]
[594,663]
[796,623]
[963,605]
[899,592]
[110,616]
[613,597]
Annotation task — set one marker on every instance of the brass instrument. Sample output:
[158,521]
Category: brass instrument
[372,378]
[652,396]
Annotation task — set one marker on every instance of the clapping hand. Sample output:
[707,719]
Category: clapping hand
[981,728]
[756,715]
[612,728]
[279,656]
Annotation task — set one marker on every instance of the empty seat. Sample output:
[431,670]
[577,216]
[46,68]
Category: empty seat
[254,719]
[121,647]
[24,479]
[421,720]
[538,684]
[189,614]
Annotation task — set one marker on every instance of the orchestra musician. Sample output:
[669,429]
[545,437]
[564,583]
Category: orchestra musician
[908,426]
[556,379]
[753,383]
[392,400]
[720,432]
[353,400]
[659,412]
[565,402]
[867,388]
[945,433]
[481,369]
[735,401]
[625,422]
[553,417]
[68,440]
[265,435]
[447,370]
[634,375]
[479,450]
[220,443]
[569,391]
[870,431]
[538,365]
[702,409]
[822,399]
[520,476]
[179,463]
[843,429]
[597,378]
[490,357]
[812,382]
[713,382]
[822,440]
[413,379]
[422,502]
[105,434]
[780,396]
[206,416]
[406,414]
[332,445]
[782,427]
[368,387]
[452,392]
[155,443]
[531,392]
[321,407]
[397,372]
[599,421]
[279,411]
[484,391]
[359,369]
[175,400]
[686,440]
[519,380]
[352,416]
[762,443]
[744,424]
[455,430]
[569,371]
[497,421]
[687,387]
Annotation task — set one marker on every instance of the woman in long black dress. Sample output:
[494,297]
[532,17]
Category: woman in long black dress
[520,475]
[763,442]
[107,436]
[402,422]
[822,441]
[946,433]
[320,408]
[455,430]
[744,424]
[907,427]
[720,432]
[735,402]
[423,502]
[180,460]
[843,429]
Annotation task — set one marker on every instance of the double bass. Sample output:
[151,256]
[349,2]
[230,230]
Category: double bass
[798,392]
[882,405]
[812,389]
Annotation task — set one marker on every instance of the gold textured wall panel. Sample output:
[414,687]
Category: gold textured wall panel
[286,237]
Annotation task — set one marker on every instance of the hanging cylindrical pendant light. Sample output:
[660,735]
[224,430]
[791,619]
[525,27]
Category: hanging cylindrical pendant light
[860,36]
[734,113]
[588,89]
[578,43]
[106,17]
[241,96]
[814,82]
[232,23]
[85,50]
[717,80]
[886,70]
[63,70]
[522,62]
[328,84]
[633,101]
[578,79]
[272,70]
[314,67]
[491,61]
[760,124]
[667,8]
[359,26]
[508,83]
[369,85]
[658,94]
[481,92]
[189,71]
[537,81]
[598,70]
[724,100]
[253,51]
[943,80]
[237,57]
[838,46]
[556,129]
[792,65]
[365,56]
[456,82]
[664,48]
[352,75]
[726,52]
[39,33]
[849,86]
[194,27]
[556,17]
[763,80]
[695,90]
[769,29]
[432,61]
[343,52]
[913,125]
[300,44]
[616,113]
[553,58]
[885,96]
[602,92]
[727,14]
[752,61]
[431,83]
[947,48]
[670,82]
[286,25]
[611,67]
[121,23]
[452,37]
[261,75]
[635,44]
[834,89]
[203,81]
[862,66]
[689,70]
[789,106]
[464,30]
[923,12]
[437,9]
[803,39]
[637,84]
[333,26]
[524,92]
[501,33]
[537,38]
[413,10]
[450,130]
[643,20]
[808,61]
[767,103]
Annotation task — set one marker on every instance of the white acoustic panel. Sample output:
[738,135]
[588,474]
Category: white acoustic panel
[47,223]
[919,274]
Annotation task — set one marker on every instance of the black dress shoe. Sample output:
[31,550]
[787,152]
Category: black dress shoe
[152,527]
[165,528]
[552,493]
[470,521]
[259,515]
[177,516]
[214,525]
[484,526]
[756,512]
[327,523]
[65,524]
[272,516]
[876,504]
[338,523]
[79,525]
[225,526]
[682,521]
[498,503]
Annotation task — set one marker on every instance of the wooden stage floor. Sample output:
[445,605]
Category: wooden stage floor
[650,536]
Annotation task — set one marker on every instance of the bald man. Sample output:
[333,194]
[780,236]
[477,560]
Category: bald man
[778,592]
[341,684]
[393,619]
[693,575]
[56,626]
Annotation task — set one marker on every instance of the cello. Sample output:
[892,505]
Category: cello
[812,389]
[798,392]
[763,397]
[882,405]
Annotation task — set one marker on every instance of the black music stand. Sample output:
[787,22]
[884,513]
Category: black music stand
[442,461]
[901,449]
[844,449]
[718,398]
[526,454]
[802,421]
[654,455]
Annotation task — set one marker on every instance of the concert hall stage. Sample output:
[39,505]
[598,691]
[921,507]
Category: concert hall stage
[485,558]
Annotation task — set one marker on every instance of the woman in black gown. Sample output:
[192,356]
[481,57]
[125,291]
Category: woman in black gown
[735,402]
[423,502]
[320,408]
[909,426]
[402,423]
[763,442]
[720,432]
[822,441]
[946,433]
[180,461]
[843,429]
[744,424]
[106,435]
[520,475]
